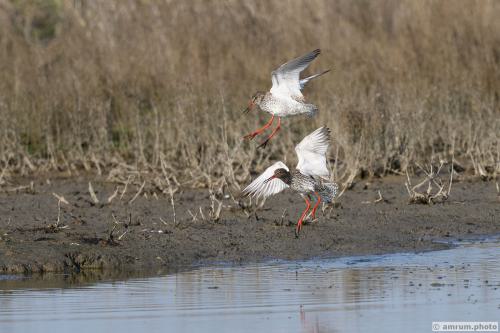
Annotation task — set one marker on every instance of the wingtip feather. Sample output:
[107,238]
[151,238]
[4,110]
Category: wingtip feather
[316,53]
[324,130]
[326,71]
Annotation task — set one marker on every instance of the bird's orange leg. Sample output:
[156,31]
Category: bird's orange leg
[263,144]
[313,213]
[299,224]
[260,130]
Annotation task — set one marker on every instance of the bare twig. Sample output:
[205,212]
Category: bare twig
[129,178]
[194,217]
[2,175]
[282,218]
[123,234]
[347,184]
[430,196]
[112,196]
[116,223]
[138,193]
[28,188]
[58,213]
[379,199]
[215,207]
[97,164]
[93,196]
[60,198]
[201,214]
[172,202]
[58,221]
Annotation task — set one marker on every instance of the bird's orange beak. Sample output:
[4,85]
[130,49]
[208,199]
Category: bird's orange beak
[250,107]
[269,179]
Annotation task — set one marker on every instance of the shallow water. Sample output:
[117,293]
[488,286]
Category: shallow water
[388,293]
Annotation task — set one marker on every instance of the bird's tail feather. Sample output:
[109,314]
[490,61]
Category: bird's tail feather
[312,110]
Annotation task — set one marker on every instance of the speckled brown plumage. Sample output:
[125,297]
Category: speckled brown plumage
[285,97]
[308,179]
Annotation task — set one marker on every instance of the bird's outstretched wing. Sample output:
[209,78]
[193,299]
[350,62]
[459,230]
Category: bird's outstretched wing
[311,152]
[286,78]
[260,188]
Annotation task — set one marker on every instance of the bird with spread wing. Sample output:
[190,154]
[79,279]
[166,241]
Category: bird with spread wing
[310,176]
[285,97]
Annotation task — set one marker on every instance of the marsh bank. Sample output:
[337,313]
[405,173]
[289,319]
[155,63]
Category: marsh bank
[142,234]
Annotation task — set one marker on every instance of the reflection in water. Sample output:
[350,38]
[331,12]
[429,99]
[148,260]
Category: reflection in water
[61,280]
[390,293]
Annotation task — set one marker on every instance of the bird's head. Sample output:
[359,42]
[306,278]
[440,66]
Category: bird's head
[255,100]
[282,174]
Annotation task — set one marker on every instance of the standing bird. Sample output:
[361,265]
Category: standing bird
[285,97]
[308,178]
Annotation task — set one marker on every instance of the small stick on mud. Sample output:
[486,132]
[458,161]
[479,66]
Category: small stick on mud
[28,188]
[93,196]
[115,193]
[172,202]
[163,221]
[60,198]
[214,212]
[452,170]
[114,219]
[121,236]
[201,214]
[167,224]
[432,177]
[58,221]
[97,164]
[138,193]
[379,199]
[194,217]
[2,175]
[111,238]
[347,184]
[58,213]
[125,187]
[282,219]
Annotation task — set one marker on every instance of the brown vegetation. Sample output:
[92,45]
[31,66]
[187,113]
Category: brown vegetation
[153,90]
[437,190]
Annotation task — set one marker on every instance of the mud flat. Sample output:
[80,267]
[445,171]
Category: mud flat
[40,233]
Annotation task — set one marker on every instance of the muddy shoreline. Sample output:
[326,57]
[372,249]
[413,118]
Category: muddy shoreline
[142,235]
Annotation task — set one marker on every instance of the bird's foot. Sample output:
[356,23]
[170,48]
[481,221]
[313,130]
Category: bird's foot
[263,144]
[310,218]
[297,230]
[250,136]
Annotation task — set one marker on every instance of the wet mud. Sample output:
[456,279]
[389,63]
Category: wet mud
[41,233]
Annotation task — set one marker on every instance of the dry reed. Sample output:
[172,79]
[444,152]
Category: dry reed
[117,87]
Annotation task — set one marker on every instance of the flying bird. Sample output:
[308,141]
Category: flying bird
[309,178]
[285,97]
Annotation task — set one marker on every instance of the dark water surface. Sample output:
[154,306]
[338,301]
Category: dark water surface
[387,293]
